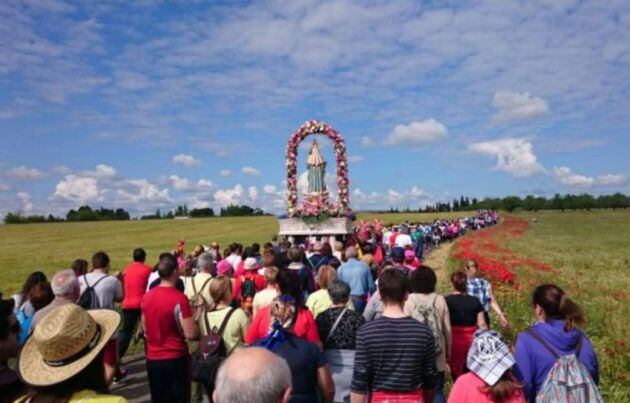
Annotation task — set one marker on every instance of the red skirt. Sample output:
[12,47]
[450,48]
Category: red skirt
[413,396]
[462,337]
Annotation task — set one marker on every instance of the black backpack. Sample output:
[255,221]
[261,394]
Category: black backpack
[88,298]
[211,353]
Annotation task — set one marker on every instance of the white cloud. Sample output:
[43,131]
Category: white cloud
[417,133]
[253,193]
[517,106]
[569,178]
[355,158]
[24,173]
[367,142]
[78,189]
[225,172]
[514,156]
[186,185]
[180,183]
[185,160]
[251,171]
[62,169]
[225,197]
[270,189]
[27,204]
[4,186]
[105,171]
[204,184]
[142,193]
[611,180]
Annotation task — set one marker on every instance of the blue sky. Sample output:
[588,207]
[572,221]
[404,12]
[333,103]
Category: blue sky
[149,104]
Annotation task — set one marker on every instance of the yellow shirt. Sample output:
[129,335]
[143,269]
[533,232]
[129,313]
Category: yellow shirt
[319,301]
[235,330]
[199,280]
[86,396]
[264,298]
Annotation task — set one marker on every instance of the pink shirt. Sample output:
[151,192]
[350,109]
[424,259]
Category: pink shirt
[467,390]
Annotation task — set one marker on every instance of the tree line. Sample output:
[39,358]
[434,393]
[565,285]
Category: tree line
[86,213]
[582,201]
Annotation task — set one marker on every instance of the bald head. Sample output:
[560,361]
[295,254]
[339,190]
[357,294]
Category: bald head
[253,375]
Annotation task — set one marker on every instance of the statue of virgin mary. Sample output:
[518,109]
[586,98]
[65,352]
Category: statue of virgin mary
[316,170]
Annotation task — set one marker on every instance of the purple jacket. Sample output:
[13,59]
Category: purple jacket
[533,360]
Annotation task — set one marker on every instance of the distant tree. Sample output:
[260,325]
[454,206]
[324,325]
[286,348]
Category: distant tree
[202,212]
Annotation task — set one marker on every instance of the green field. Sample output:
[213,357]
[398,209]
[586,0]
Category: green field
[590,252]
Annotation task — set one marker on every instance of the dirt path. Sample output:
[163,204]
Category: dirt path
[437,260]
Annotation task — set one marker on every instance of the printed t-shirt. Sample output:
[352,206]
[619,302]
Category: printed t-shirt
[107,290]
[305,326]
[319,301]
[303,358]
[264,298]
[463,309]
[235,329]
[135,280]
[161,308]
[467,389]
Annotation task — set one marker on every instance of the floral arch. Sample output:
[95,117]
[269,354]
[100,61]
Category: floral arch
[320,208]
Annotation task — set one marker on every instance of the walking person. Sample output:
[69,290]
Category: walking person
[66,289]
[395,354]
[357,275]
[319,301]
[490,379]
[134,279]
[309,370]
[555,348]
[167,321]
[11,386]
[467,315]
[339,325]
[264,297]
[481,288]
[63,359]
[425,305]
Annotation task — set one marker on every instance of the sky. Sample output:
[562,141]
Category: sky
[150,104]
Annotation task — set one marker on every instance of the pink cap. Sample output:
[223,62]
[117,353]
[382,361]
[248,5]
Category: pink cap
[224,268]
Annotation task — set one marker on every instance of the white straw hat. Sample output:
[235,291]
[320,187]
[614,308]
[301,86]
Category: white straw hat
[64,342]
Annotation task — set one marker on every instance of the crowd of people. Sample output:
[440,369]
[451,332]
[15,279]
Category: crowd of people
[307,321]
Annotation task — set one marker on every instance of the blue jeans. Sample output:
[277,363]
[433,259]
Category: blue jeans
[359,304]
[439,388]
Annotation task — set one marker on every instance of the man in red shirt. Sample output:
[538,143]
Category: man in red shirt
[135,278]
[168,323]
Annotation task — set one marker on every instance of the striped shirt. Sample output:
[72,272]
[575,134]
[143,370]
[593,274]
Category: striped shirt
[394,355]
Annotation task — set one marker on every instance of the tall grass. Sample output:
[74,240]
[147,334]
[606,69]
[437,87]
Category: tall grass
[590,252]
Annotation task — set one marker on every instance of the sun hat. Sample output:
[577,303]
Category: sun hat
[64,342]
[224,268]
[489,356]
[251,263]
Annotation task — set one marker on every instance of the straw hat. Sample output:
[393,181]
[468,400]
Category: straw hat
[64,342]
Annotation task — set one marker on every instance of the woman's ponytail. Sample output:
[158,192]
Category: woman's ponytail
[571,312]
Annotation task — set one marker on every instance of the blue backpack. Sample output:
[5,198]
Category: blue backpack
[25,324]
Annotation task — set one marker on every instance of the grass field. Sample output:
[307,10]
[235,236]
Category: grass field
[590,255]
[589,252]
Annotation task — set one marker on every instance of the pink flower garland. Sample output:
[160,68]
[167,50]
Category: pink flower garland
[308,128]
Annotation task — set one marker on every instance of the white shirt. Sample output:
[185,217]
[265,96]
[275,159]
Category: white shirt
[403,240]
[234,260]
[108,290]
